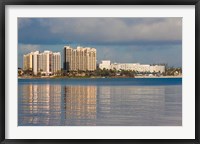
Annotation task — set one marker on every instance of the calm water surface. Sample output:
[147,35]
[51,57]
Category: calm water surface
[100,102]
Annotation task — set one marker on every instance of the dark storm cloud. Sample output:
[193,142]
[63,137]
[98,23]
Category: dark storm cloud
[101,31]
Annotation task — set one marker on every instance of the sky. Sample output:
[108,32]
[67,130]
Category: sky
[121,40]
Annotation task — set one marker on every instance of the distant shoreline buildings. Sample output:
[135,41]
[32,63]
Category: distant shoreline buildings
[47,62]
[79,59]
[106,64]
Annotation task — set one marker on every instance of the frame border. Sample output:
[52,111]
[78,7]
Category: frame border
[3,4]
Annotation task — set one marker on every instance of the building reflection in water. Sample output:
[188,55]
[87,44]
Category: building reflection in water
[52,105]
[40,104]
[80,105]
[76,105]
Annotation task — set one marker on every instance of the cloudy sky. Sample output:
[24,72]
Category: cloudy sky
[141,40]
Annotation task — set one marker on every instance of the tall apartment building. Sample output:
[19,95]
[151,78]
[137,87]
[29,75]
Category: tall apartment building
[30,61]
[27,62]
[46,63]
[55,62]
[35,62]
[79,59]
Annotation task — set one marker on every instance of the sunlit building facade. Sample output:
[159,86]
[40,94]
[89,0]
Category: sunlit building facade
[56,62]
[81,58]
[35,62]
[46,62]
[27,62]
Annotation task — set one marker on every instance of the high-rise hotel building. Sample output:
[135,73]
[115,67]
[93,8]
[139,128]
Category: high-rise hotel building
[46,62]
[30,61]
[81,58]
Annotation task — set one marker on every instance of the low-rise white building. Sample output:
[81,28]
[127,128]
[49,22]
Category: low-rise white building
[105,64]
[132,66]
[157,68]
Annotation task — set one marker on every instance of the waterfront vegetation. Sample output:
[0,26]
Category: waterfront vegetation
[99,73]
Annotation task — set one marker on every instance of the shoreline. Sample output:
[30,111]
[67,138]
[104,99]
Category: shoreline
[53,77]
[158,77]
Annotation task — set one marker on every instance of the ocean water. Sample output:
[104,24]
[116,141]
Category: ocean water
[100,102]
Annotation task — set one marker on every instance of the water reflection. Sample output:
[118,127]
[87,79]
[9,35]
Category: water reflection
[78,105]
[40,104]
[131,105]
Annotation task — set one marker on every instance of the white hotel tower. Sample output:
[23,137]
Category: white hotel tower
[46,63]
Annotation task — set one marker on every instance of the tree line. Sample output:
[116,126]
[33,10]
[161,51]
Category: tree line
[169,71]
